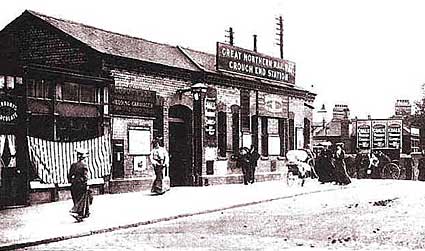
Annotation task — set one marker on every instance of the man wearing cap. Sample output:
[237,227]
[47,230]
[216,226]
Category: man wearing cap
[78,176]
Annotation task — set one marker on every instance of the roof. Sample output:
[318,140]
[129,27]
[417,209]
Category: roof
[120,45]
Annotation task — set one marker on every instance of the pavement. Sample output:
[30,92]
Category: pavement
[51,222]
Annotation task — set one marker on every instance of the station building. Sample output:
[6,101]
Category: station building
[64,81]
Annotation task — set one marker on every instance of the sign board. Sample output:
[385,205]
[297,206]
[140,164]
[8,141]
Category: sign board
[379,134]
[363,134]
[394,134]
[135,102]
[241,61]
[8,111]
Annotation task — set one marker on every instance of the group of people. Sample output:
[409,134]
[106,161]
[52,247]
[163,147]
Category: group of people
[78,176]
[247,161]
[330,165]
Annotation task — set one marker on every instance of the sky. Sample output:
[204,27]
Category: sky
[363,53]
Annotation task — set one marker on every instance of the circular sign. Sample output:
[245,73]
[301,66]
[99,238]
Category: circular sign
[8,111]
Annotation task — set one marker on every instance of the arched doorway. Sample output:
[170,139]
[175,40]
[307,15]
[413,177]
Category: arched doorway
[180,148]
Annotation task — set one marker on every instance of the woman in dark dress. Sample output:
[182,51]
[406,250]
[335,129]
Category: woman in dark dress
[78,176]
[340,167]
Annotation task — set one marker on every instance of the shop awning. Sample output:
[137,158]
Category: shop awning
[53,159]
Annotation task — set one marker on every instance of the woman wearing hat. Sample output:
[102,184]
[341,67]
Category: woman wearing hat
[78,176]
[159,159]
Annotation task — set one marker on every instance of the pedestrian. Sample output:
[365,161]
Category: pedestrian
[243,162]
[421,167]
[409,163]
[383,160]
[342,177]
[160,160]
[81,195]
[325,168]
[253,161]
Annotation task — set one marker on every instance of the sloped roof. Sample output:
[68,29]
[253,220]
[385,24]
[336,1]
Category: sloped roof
[120,45]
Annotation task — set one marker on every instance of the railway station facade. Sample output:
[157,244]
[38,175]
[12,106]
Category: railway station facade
[65,81]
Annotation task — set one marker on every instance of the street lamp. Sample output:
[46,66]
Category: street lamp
[198,91]
[323,112]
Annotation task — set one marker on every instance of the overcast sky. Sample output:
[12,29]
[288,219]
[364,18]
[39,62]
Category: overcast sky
[363,53]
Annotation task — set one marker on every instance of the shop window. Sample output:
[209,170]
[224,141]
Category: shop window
[74,129]
[291,136]
[235,128]
[222,133]
[88,93]
[244,97]
[39,88]
[264,137]
[70,91]
[31,88]
[283,138]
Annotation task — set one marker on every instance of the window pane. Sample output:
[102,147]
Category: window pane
[2,82]
[31,88]
[48,89]
[58,91]
[19,81]
[39,91]
[88,93]
[70,91]
[10,82]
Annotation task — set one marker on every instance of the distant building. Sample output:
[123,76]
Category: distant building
[337,130]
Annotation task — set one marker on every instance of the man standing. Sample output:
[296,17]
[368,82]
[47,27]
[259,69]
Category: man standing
[253,161]
[78,176]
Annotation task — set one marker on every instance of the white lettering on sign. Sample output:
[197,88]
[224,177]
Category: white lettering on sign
[210,109]
[8,111]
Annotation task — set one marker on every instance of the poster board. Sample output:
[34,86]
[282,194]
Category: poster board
[274,145]
[139,141]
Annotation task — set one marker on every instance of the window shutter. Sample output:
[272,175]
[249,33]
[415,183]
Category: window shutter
[291,134]
[264,137]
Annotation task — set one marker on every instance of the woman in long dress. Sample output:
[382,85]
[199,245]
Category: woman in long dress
[78,176]
[340,167]
[159,159]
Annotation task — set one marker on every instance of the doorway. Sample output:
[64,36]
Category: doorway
[180,148]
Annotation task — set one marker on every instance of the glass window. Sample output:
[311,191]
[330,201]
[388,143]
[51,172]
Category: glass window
[70,91]
[2,81]
[10,82]
[59,91]
[39,90]
[48,89]
[88,93]
[19,81]
[31,88]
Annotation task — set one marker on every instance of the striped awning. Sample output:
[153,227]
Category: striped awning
[53,159]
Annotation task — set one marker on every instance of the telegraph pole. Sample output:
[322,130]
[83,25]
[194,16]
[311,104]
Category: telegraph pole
[230,35]
[280,34]
[255,42]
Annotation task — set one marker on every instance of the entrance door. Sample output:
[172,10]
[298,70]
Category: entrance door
[180,148]
[118,158]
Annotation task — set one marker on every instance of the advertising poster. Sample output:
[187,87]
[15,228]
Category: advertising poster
[394,132]
[378,134]
[363,134]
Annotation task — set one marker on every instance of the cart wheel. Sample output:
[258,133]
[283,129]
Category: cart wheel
[390,171]
[291,179]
